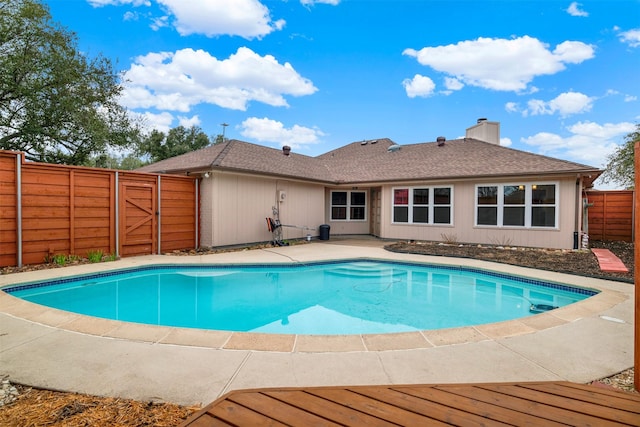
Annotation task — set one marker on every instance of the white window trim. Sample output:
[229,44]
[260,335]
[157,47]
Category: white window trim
[431,205]
[348,205]
[528,205]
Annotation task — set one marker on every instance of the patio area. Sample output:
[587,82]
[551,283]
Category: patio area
[53,349]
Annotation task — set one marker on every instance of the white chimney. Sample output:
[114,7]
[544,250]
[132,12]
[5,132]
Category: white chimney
[486,131]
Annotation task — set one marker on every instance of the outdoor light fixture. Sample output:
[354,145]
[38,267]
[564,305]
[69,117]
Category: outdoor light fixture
[207,175]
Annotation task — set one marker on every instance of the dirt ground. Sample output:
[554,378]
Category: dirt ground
[36,407]
[582,263]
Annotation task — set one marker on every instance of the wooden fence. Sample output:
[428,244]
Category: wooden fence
[611,215]
[48,210]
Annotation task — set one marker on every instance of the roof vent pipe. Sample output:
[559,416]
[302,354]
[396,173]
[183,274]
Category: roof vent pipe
[286,150]
[482,119]
[441,140]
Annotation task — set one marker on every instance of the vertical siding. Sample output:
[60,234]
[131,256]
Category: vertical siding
[348,227]
[464,230]
[240,204]
[303,207]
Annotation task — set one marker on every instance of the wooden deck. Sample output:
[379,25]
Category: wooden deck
[494,404]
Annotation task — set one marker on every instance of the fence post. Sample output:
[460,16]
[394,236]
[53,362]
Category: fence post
[197,213]
[19,209]
[117,214]
[72,212]
[636,263]
[159,213]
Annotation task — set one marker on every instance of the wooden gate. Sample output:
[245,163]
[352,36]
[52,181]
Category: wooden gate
[610,215]
[138,223]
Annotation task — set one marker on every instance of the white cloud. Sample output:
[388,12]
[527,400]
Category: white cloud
[177,81]
[630,98]
[159,22]
[589,143]
[574,10]
[130,16]
[512,107]
[565,104]
[418,86]
[453,83]
[245,18]
[267,130]
[506,142]
[631,37]
[312,2]
[189,121]
[501,64]
[100,3]
[161,122]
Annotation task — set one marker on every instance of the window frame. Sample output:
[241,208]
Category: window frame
[348,207]
[431,206]
[528,205]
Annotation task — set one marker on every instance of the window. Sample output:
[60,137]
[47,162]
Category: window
[487,205]
[516,205]
[422,205]
[543,211]
[348,205]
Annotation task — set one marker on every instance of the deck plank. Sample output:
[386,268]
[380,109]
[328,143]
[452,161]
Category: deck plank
[235,414]
[493,404]
[587,393]
[373,407]
[486,410]
[572,407]
[336,412]
[282,412]
[541,410]
[430,408]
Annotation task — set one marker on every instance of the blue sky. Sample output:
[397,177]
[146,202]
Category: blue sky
[561,77]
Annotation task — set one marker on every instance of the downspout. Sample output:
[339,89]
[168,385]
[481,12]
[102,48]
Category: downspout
[197,210]
[159,214]
[19,209]
[117,210]
[576,232]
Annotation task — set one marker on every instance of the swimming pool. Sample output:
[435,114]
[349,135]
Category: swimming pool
[329,298]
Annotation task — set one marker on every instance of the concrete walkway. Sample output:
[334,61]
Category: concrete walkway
[49,348]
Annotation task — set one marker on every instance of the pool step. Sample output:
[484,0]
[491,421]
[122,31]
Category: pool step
[376,270]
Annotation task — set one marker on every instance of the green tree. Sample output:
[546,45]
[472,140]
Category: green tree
[179,140]
[56,104]
[128,162]
[620,167]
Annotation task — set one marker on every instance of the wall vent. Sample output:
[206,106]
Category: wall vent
[393,148]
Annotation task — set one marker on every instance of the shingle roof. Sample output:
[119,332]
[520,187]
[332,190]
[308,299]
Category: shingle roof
[244,157]
[369,162]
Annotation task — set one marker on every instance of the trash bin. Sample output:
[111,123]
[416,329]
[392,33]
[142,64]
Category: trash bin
[324,231]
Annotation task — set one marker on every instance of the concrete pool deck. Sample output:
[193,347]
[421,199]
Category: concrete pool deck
[49,348]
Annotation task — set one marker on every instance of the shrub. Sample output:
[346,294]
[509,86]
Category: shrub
[95,256]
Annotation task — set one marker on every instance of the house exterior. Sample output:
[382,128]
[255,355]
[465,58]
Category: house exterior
[468,190]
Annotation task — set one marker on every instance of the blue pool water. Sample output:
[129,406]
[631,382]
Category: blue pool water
[351,297]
